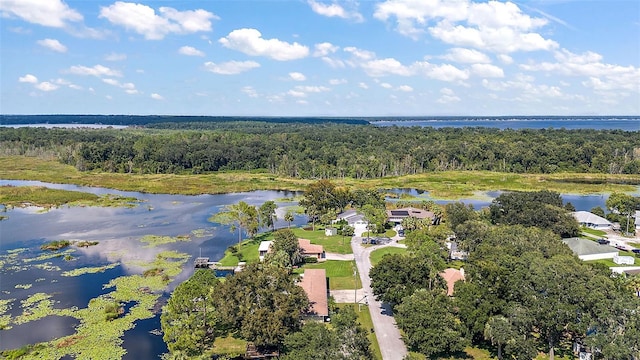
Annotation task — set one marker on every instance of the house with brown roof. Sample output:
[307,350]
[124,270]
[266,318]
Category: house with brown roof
[311,250]
[397,215]
[314,284]
[451,275]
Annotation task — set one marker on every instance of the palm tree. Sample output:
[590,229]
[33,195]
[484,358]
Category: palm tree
[243,216]
[288,217]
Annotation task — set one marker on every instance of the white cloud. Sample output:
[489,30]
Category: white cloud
[296,93]
[492,26]
[52,13]
[444,72]
[363,85]
[334,63]
[250,91]
[250,42]
[448,96]
[386,85]
[384,67]
[487,70]
[360,54]
[470,56]
[97,70]
[312,89]
[505,59]
[64,82]
[590,65]
[230,67]
[337,81]
[129,88]
[157,96]
[190,51]
[333,10]
[31,79]
[46,86]
[143,19]
[324,49]
[405,88]
[52,44]
[297,76]
[115,57]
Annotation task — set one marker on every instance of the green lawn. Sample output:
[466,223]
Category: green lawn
[229,346]
[593,231]
[376,255]
[340,273]
[610,263]
[334,244]
[364,317]
[248,251]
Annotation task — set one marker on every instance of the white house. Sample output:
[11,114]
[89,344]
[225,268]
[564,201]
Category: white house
[354,219]
[591,220]
[637,217]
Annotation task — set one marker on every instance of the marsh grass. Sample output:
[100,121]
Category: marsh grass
[441,185]
[90,270]
[155,240]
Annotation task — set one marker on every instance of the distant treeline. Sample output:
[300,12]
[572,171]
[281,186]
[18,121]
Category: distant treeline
[328,150]
[168,120]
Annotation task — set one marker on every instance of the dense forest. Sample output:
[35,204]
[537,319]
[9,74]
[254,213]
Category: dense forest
[327,149]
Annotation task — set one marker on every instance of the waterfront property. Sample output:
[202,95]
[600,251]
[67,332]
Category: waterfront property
[307,249]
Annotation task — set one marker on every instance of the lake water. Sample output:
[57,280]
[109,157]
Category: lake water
[119,230]
[626,123]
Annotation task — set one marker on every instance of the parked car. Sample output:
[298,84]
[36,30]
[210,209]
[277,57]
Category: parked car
[603,241]
[637,251]
[401,232]
[373,241]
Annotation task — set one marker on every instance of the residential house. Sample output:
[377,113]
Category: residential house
[590,250]
[397,215]
[355,220]
[592,221]
[311,250]
[624,260]
[314,284]
[637,220]
[307,249]
[451,276]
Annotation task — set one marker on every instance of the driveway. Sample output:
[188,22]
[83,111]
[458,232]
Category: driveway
[387,333]
[336,256]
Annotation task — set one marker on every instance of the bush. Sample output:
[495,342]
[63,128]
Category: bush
[310,260]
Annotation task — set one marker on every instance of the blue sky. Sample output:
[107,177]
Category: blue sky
[320,58]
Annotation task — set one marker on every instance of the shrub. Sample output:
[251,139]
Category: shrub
[310,260]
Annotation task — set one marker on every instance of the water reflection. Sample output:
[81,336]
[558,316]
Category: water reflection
[118,231]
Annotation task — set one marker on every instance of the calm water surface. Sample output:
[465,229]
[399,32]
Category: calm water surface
[119,230]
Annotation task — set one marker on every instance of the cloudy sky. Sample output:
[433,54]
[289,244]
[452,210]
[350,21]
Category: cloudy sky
[320,57]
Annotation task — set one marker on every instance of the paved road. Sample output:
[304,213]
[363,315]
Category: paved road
[389,340]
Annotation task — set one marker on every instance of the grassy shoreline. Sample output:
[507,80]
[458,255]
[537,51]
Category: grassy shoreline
[441,185]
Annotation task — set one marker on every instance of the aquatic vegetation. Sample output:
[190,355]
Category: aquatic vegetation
[2,217]
[48,256]
[109,200]
[48,266]
[85,243]
[23,286]
[200,233]
[99,333]
[5,320]
[56,245]
[155,240]
[89,270]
